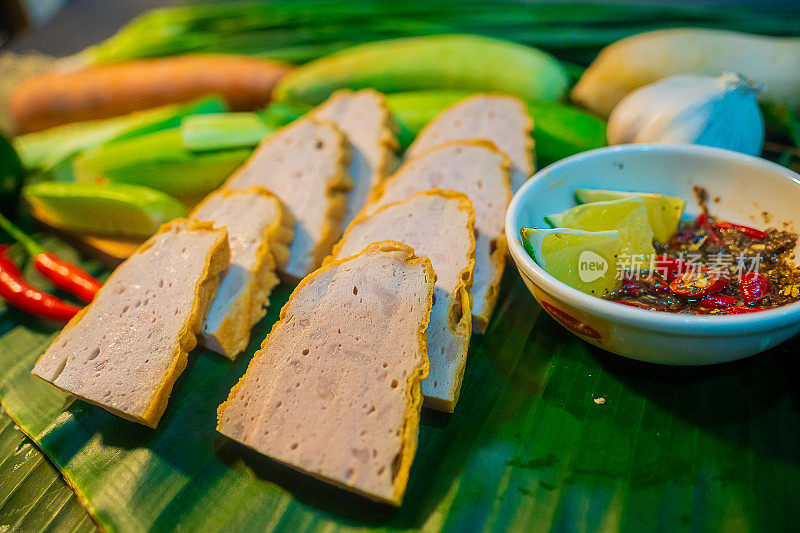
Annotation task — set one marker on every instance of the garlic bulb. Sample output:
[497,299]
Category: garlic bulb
[689,108]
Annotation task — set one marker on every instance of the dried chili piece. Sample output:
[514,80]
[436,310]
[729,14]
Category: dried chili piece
[753,233]
[698,283]
[718,301]
[753,286]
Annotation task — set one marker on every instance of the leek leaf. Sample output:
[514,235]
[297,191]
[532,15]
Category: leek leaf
[44,150]
[161,161]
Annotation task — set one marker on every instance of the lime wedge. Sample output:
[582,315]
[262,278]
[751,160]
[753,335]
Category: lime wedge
[584,260]
[628,216]
[664,212]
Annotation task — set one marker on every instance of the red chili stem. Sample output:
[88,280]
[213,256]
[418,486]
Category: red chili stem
[753,233]
[16,291]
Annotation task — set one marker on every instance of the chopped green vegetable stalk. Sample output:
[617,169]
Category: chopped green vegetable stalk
[112,209]
[221,131]
[44,150]
[159,160]
[279,114]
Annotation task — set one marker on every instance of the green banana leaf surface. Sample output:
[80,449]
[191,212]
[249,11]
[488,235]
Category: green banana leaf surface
[550,434]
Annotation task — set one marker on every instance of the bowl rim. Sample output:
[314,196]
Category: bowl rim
[631,316]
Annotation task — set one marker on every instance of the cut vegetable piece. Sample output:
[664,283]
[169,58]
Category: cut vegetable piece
[259,234]
[112,210]
[334,390]
[158,160]
[440,226]
[305,165]
[584,260]
[503,120]
[222,131]
[663,212]
[629,216]
[125,350]
[479,170]
[365,121]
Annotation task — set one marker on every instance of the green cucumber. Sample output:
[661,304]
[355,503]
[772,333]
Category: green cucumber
[463,62]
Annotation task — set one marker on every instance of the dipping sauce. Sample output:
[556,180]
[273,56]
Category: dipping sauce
[715,267]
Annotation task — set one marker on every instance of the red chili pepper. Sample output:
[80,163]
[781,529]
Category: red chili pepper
[16,291]
[753,286]
[671,268]
[702,222]
[717,301]
[753,233]
[64,275]
[742,309]
[698,283]
[67,276]
[631,288]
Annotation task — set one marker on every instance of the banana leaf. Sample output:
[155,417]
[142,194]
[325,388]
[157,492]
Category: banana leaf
[550,434]
[33,496]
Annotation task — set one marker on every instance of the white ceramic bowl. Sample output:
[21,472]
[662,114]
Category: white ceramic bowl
[745,186]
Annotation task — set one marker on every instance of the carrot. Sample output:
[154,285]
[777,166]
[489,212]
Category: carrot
[53,99]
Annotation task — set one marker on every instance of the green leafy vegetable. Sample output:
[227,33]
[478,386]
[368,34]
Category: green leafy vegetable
[781,120]
[11,177]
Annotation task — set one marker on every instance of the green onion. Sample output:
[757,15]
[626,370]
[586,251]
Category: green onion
[158,160]
[302,30]
[44,150]
[221,131]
